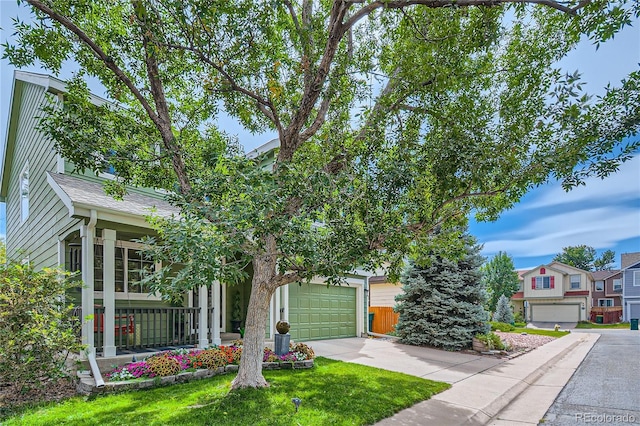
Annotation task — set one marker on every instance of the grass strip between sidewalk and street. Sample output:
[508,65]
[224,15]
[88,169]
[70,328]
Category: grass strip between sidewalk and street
[589,325]
[333,392]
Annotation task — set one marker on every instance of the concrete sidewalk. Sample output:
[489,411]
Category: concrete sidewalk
[485,390]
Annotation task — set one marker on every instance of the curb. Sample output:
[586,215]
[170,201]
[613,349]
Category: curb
[485,414]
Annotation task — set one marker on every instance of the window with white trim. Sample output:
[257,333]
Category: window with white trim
[605,302]
[575,282]
[24,193]
[617,284]
[599,285]
[543,282]
[130,267]
[636,278]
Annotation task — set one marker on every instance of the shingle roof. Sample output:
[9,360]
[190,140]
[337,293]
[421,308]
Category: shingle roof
[91,194]
[603,275]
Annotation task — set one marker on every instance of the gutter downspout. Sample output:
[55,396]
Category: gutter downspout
[95,371]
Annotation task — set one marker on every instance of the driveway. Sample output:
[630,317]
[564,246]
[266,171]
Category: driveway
[432,364]
[605,389]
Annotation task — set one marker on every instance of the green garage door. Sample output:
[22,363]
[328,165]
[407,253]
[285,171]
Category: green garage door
[321,312]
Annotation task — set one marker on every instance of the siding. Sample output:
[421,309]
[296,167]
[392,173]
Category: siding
[37,236]
[629,289]
[384,294]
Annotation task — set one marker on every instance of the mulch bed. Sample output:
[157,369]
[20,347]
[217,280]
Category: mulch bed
[11,397]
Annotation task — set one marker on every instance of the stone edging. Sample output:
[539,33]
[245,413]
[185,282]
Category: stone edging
[87,385]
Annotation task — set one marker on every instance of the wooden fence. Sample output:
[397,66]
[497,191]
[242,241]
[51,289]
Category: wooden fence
[384,319]
[609,314]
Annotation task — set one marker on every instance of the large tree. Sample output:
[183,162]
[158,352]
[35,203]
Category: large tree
[393,118]
[499,278]
[584,257]
[442,299]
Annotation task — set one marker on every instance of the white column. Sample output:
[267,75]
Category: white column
[109,290]
[215,320]
[223,326]
[271,323]
[278,298]
[87,237]
[285,301]
[203,341]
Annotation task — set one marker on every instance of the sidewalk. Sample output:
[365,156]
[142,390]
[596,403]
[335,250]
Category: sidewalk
[518,391]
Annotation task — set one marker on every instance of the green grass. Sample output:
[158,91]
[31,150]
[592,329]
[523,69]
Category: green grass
[586,324]
[333,392]
[540,331]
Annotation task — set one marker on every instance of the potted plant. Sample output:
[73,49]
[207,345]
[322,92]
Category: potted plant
[236,313]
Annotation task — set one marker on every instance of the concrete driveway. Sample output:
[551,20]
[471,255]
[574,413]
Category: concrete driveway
[432,364]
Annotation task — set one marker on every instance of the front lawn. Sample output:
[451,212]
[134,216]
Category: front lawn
[332,392]
[540,332]
[586,324]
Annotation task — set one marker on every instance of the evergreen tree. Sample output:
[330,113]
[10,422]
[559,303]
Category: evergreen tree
[499,277]
[504,312]
[442,304]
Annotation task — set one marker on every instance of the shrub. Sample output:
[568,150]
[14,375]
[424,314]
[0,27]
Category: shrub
[492,340]
[37,328]
[501,326]
[302,349]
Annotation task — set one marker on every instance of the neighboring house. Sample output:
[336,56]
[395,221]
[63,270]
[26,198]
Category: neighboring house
[62,218]
[630,263]
[517,300]
[606,297]
[382,299]
[557,293]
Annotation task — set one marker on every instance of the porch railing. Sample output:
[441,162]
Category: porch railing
[139,328]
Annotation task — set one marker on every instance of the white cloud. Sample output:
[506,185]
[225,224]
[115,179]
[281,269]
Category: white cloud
[601,228]
[624,185]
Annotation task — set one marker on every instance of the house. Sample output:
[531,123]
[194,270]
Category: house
[382,299]
[517,300]
[630,263]
[63,218]
[606,297]
[556,293]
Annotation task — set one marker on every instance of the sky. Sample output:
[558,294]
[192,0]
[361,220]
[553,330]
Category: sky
[604,214]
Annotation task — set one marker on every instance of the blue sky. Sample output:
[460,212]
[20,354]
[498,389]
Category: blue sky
[604,214]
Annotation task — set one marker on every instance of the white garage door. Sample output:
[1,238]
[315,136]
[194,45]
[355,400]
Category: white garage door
[555,313]
[634,310]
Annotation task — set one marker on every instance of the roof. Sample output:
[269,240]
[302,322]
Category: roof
[576,293]
[518,296]
[603,275]
[81,196]
[521,273]
[378,279]
[264,148]
[20,78]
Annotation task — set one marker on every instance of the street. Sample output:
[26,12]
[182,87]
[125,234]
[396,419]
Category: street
[605,389]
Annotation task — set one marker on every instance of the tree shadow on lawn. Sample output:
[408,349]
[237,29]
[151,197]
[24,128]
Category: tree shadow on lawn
[333,392]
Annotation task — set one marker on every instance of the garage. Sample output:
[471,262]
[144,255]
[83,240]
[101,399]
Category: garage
[634,310]
[320,312]
[555,312]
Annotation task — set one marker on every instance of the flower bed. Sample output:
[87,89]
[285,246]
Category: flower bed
[183,365]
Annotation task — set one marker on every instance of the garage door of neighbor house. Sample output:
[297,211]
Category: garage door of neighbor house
[634,310]
[320,312]
[555,313]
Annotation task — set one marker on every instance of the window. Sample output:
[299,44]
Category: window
[575,281]
[605,302]
[130,267]
[24,193]
[599,285]
[617,284]
[543,282]
[636,278]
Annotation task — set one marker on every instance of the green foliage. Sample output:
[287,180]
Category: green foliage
[504,311]
[584,257]
[37,329]
[327,391]
[500,278]
[442,301]
[392,122]
[501,326]
[3,252]
[492,341]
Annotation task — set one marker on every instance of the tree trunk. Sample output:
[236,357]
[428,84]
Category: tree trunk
[250,372]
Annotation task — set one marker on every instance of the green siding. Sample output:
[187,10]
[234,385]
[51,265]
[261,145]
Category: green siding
[321,312]
[37,236]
